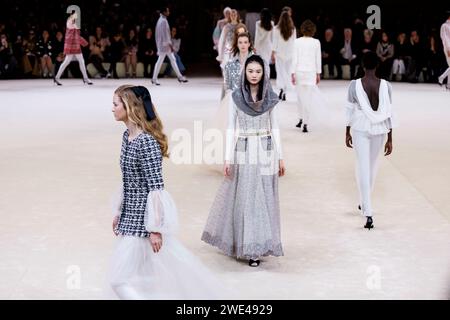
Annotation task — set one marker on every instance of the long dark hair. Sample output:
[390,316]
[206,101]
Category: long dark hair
[255,58]
[266,19]
[286,25]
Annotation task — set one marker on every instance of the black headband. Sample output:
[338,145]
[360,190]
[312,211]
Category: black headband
[142,92]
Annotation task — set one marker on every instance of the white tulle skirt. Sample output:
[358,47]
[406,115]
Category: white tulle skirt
[136,272]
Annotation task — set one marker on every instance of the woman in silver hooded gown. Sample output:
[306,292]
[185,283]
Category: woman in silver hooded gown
[244,221]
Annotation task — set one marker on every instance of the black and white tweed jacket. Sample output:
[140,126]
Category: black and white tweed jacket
[141,164]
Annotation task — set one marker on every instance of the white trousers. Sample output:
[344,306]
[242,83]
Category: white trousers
[446,72]
[367,149]
[282,68]
[67,61]
[398,67]
[173,63]
[304,101]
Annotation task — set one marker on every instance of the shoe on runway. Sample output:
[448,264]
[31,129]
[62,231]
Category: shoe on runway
[155,82]
[87,81]
[182,80]
[254,263]
[305,128]
[369,223]
[299,124]
[57,82]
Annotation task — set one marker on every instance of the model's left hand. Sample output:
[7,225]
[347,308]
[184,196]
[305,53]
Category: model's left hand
[114,224]
[282,169]
[156,241]
[348,140]
[448,53]
[388,148]
[318,78]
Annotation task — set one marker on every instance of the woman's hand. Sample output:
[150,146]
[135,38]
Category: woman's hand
[293,79]
[227,169]
[318,78]
[348,140]
[114,224]
[156,241]
[388,148]
[282,169]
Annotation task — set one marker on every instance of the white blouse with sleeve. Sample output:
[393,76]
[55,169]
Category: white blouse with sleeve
[361,117]
[283,49]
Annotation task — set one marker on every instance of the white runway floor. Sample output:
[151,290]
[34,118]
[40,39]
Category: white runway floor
[59,165]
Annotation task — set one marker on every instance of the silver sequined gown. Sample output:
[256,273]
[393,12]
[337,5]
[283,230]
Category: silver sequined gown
[244,220]
[232,74]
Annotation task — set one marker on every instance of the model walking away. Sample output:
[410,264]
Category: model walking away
[306,70]
[370,118]
[284,36]
[264,37]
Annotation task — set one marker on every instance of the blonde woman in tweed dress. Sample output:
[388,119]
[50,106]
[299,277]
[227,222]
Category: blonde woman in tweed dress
[148,261]
[244,221]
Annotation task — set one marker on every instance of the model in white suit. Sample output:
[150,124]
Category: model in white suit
[305,71]
[165,47]
[283,51]
[370,118]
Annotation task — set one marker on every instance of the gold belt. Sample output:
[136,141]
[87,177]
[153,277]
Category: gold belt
[251,134]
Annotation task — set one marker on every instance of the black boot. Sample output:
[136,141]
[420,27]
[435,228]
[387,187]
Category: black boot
[299,124]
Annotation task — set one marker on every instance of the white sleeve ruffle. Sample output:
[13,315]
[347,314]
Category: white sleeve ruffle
[117,201]
[161,213]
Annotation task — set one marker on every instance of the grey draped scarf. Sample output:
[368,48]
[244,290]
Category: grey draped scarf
[242,97]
